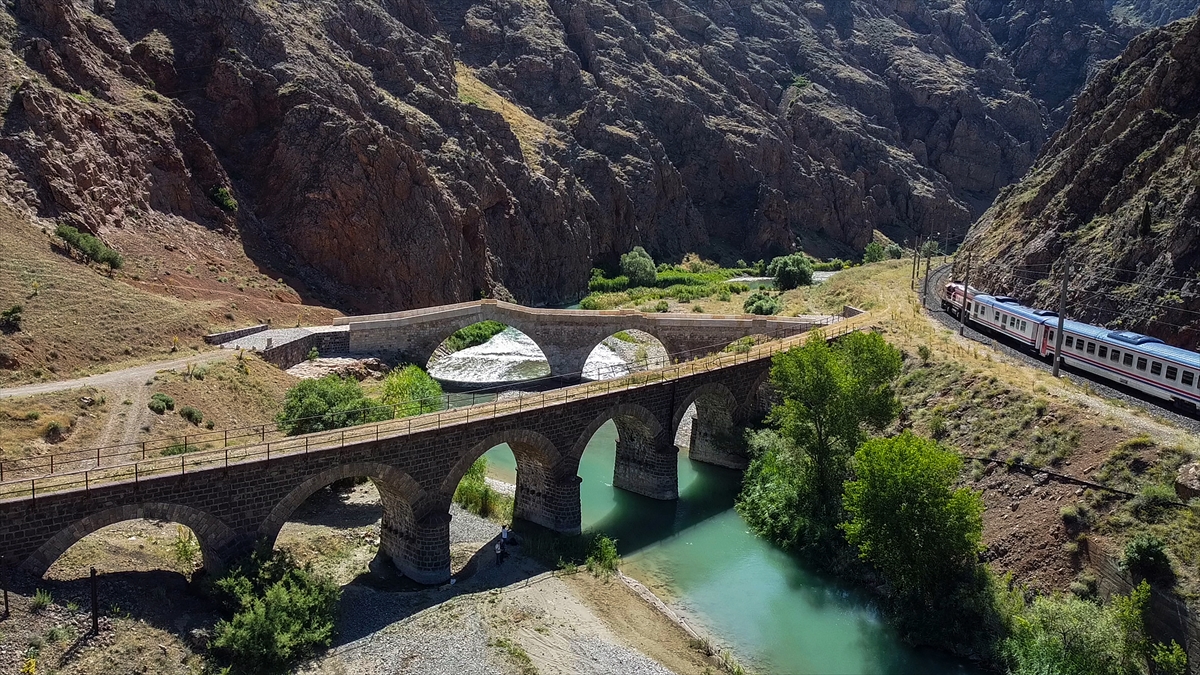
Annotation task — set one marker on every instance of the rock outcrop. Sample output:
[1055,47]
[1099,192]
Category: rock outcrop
[399,153]
[1116,191]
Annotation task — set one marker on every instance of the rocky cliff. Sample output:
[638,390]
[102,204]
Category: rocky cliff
[397,153]
[1117,191]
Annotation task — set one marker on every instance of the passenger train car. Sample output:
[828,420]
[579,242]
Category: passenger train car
[1140,362]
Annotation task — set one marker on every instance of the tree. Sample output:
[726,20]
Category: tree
[873,253]
[639,267]
[791,271]
[328,403]
[831,395]
[906,518]
[894,251]
[761,303]
[1069,636]
[411,391]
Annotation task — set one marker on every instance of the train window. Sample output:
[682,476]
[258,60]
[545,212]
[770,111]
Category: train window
[1091,348]
[1116,355]
[1155,368]
[1128,359]
[1141,364]
[1172,371]
[1070,341]
[996,317]
[1103,353]
[1050,336]
[1004,320]
[1187,378]
[1024,326]
[1079,345]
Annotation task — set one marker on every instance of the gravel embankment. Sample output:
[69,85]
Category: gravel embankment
[466,526]
[597,657]
[1101,387]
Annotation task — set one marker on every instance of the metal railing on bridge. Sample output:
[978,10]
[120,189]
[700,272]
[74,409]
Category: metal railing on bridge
[272,443]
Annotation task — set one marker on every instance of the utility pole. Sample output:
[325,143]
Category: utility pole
[925,293]
[962,311]
[916,254]
[1062,313]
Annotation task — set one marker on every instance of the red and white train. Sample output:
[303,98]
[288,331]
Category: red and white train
[1138,361]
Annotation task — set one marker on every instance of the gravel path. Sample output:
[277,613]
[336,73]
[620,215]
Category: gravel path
[136,374]
[1102,387]
[467,527]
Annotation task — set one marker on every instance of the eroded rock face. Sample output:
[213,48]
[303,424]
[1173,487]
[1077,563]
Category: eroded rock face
[1118,192]
[400,153]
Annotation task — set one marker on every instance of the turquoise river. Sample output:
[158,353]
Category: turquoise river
[778,617]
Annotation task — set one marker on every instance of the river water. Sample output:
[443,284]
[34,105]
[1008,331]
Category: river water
[778,617]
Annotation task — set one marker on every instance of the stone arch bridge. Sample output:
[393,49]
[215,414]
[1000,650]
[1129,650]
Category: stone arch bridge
[232,497]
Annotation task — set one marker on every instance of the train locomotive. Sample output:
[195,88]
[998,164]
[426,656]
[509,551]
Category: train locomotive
[1140,362]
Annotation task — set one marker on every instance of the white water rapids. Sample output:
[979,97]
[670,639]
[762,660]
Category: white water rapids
[511,356]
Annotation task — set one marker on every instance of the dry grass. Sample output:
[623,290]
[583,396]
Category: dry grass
[26,423]
[531,132]
[80,319]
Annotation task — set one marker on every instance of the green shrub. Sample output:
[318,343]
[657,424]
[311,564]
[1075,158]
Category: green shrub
[53,431]
[873,253]
[625,337]
[313,354]
[1146,556]
[185,547]
[191,414]
[925,353]
[937,426]
[281,614]
[761,303]
[894,251]
[327,403]
[603,557]
[475,334]
[661,306]
[638,266]
[178,449]
[832,265]
[161,403]
[791,271]
[223,199]
[1152,500]
[41,600]
[602,285]
[737,288]
[91,247]
[10,319]
[411,391]
[475,495]
[697,309]
[724,295]
[800,81]
[1168,659]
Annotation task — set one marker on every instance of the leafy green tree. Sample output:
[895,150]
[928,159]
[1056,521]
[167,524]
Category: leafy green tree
[907,519]
[832,394]
[639,267]
[411,391]
[894,251]
[281,614]
[791,271]
[1069,636]
[328,403]
[873,253]
[762,303]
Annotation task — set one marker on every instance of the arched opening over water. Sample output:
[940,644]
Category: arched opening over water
[704,427]
[625,352]
[487,353]
[349,519]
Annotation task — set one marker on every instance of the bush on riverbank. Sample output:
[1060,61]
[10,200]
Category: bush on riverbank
[411,391]
[280,614]
[475,495]
[475,334]
[602,557]
[330,402]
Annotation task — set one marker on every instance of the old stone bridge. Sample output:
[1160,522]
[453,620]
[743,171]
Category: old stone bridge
[234,496]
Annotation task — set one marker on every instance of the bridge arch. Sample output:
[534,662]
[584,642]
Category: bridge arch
[547,488]
[711,410]
[473,365]
[610,357]
[645,459]
[214,537]
[403,535]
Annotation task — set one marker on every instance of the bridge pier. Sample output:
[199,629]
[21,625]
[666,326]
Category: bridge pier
[553,505]
[424,554]
[646,465]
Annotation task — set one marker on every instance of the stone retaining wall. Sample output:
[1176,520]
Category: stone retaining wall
[230,335]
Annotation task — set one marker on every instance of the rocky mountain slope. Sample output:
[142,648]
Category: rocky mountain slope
[398,153]
[1117,191]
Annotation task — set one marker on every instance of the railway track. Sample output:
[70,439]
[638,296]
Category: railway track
[938,277]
